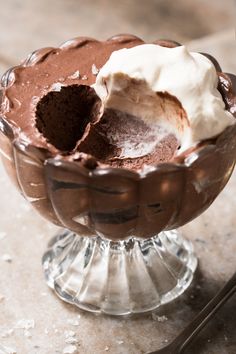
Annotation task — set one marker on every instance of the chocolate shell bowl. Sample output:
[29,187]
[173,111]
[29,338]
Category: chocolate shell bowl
[119,251]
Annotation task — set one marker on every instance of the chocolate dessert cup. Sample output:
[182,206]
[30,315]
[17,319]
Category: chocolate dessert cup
[120,252]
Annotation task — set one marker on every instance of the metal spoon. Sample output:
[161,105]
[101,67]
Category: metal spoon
[190,332]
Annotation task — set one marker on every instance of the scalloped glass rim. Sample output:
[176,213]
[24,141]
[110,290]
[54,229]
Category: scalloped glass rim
[12,131]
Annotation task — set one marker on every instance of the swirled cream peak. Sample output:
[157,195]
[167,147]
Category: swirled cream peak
[168,87]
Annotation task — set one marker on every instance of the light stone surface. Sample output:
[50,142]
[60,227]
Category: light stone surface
[45,321]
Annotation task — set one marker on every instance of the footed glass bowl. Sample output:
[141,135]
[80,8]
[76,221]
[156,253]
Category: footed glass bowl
[119,251]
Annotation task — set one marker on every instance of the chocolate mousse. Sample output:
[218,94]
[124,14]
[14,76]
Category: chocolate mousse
[116,129]
[71,121]
[52,102]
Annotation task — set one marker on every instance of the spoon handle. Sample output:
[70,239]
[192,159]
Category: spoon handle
[185,337]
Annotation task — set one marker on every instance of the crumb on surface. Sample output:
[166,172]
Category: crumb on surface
[25,324]
[2,235]
[7,258]
[73,322]
[70,349]
[158,318]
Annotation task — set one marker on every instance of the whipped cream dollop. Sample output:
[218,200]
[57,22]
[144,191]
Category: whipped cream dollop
[167,87]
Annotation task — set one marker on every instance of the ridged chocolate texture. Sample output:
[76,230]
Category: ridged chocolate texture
[114,202]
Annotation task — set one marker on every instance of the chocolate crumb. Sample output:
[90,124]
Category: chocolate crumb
[75,75]
[95,70]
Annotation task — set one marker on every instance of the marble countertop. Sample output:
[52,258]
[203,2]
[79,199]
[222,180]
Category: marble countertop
[34,321]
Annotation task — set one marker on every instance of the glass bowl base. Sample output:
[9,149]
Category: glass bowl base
[119,278]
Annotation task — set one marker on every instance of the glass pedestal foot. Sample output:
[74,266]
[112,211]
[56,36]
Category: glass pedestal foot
[119,278]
